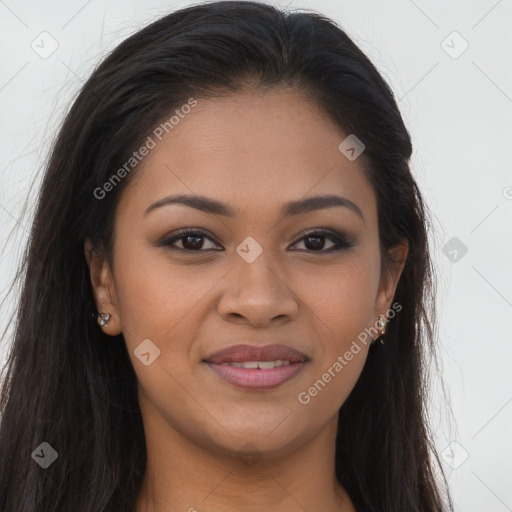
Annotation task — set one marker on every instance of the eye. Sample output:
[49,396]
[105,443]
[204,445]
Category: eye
[192,240]
[314,241]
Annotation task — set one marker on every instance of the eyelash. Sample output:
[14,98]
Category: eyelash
[340,241]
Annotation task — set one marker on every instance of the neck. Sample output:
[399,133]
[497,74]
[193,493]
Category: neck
[183,475]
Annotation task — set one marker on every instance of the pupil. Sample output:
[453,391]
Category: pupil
[318,242]
[197,242]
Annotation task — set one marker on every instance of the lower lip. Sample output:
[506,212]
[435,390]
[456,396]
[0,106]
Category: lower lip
[254,378]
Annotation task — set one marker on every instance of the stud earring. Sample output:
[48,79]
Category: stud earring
[381,326]
[103,319]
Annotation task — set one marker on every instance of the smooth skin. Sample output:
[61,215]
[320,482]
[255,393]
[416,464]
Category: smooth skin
[254,152]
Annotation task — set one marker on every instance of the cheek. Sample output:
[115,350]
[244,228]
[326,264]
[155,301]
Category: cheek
[342,348]
[154,297]
[156,303]
[344,301]
[330,388]
[343,311]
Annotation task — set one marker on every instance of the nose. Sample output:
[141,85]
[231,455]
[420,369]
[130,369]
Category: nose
[257,294]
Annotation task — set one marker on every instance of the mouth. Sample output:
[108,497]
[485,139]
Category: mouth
[251,367]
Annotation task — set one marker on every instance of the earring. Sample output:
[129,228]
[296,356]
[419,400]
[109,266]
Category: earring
[103,319]
[381,326]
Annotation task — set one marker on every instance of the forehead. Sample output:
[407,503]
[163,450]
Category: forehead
[251,149]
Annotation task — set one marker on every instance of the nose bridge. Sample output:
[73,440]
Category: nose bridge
[256,289]
[255,269]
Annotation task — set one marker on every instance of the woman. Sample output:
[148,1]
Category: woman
[227,225]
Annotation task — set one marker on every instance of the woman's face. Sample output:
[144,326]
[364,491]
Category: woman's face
[254,272]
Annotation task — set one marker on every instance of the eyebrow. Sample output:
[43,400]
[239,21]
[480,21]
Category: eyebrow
[291,208]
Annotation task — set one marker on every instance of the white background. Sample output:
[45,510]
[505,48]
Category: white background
[458,111]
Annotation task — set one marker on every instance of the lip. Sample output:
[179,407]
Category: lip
[251,378]
[240,353]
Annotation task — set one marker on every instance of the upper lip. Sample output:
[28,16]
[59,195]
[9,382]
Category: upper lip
[240,353]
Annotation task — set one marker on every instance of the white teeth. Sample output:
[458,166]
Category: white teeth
[267,365]
[262,365]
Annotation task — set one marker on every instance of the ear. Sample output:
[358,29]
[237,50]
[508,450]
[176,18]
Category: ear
[103,288]
[390,277]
